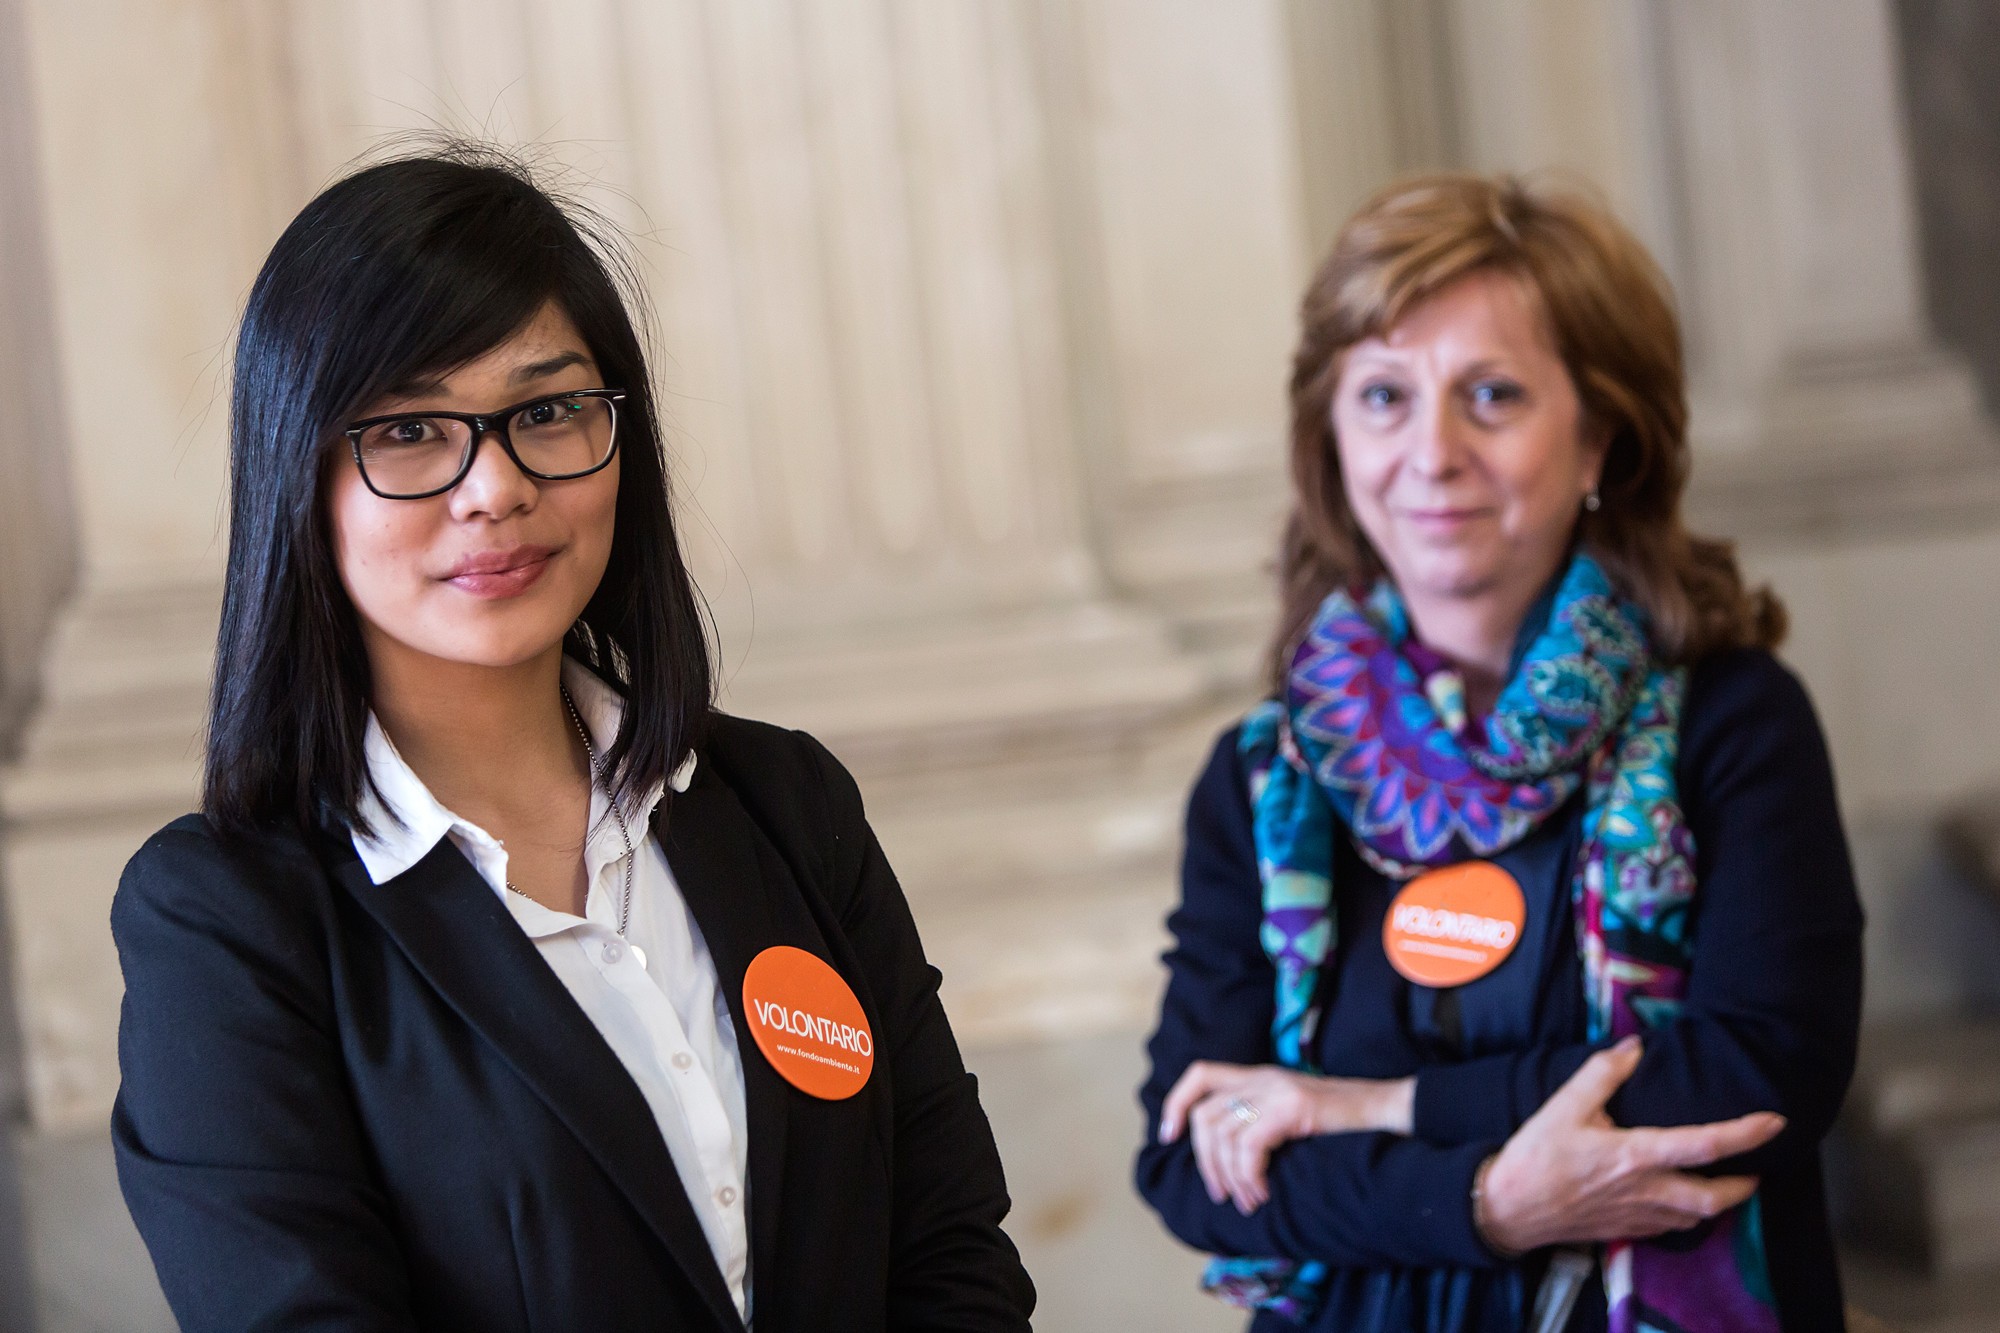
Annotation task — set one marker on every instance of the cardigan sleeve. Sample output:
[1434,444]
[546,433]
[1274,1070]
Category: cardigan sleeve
[1342,1199]
[951,1266]
[1773,1005]
[225,989]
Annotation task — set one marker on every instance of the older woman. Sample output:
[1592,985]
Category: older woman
[1518,965]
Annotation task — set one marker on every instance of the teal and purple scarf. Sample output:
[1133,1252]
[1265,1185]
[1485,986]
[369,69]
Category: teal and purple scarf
[1359,742]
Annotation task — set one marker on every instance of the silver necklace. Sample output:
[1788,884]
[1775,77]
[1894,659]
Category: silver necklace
[613,949]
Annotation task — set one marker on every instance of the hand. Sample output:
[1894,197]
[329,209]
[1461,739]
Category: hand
[1232,1151]
[1570,1175]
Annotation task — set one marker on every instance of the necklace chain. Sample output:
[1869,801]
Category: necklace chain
[624,832]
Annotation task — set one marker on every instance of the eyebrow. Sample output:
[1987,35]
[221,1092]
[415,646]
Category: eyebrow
[432,386]
[1391,359]
[535,370]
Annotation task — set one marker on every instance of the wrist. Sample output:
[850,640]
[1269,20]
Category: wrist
[1482,1213]
[1396,1106]
[1350,1105]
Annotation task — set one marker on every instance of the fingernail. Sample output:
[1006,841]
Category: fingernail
[1628,1042]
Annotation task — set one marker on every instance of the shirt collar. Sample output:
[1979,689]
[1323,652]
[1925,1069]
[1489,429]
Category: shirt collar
[602,710]
[405,821]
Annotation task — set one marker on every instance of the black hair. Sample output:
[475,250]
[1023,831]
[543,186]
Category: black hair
[402,271]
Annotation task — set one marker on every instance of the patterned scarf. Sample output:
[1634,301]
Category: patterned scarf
[1359,738]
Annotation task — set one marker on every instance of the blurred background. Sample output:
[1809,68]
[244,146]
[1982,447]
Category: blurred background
[973,320]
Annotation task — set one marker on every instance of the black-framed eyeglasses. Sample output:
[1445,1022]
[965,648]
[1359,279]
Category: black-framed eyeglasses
[415,455]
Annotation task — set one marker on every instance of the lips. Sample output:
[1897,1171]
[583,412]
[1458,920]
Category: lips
[507,573]
[1442,517]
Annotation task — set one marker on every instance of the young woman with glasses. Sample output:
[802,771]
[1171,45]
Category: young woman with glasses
[501,982]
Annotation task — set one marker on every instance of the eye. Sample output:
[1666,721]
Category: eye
[403,432]
[1496,393]
[1380,395]
[549,412]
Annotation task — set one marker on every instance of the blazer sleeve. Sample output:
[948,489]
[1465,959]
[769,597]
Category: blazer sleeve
[1342,1199]
[1773,1006]
[238,1151]
[951,1266]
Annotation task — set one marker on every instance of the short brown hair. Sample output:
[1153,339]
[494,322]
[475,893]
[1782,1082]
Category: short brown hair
[1612,322]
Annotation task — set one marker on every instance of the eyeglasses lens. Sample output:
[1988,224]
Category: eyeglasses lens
[560,437]
[553,438]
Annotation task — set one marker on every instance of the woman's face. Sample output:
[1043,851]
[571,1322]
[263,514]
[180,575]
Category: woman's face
[1463,445]
[494,571]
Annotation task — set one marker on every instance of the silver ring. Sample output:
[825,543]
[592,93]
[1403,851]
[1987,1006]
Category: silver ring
[1244,1111]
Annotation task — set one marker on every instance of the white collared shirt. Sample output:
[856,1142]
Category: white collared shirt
[666,1020]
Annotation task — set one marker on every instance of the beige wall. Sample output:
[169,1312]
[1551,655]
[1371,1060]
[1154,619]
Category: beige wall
[974,319]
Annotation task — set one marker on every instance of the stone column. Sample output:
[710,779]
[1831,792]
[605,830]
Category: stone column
[1187,237]
[844,213]
[146,251]
[1758,147]
[37,547]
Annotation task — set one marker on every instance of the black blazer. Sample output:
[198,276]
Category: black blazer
[359,1106]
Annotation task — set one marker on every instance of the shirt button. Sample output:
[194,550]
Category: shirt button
[683,1060]
[726,1195]
[614,952]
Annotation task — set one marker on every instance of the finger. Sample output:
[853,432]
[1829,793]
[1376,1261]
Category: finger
[1236,1166]
[1229,1167]
[1229,1157]
[1220,1128]
[1253,1157]
[1199,1080]
[1698,1198]
[1667,1201]
[1584,1093]
[1698,1145]
[1202,1135]
[1193,1084]
[1253,1162]
[1645,1223]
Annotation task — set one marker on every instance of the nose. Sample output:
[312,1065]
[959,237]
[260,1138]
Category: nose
[495,487]
[1436,444]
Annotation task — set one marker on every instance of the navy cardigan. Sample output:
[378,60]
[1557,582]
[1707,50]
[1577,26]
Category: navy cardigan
[1770,1023]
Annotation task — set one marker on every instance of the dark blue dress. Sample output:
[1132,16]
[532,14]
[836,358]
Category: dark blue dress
[1770,1022]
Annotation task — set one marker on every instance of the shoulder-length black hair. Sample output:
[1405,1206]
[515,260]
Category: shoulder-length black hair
[404,270]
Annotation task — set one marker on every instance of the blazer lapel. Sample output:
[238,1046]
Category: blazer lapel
[458,933]
[712,846]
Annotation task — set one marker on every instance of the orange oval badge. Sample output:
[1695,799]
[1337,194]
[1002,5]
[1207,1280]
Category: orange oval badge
[808,1023]
[1454,925]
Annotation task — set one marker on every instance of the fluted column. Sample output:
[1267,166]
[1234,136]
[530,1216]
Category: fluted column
[1196,219]
[159,157]
[37,548]
[1758,147]
[843,210]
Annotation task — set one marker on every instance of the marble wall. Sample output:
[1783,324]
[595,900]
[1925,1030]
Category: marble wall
[973,320]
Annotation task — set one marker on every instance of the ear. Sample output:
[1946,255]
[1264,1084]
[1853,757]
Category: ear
[1597,437]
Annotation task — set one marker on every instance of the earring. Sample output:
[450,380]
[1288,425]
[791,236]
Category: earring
[1591,503]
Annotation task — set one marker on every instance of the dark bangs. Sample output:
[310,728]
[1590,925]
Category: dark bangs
[403,271]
